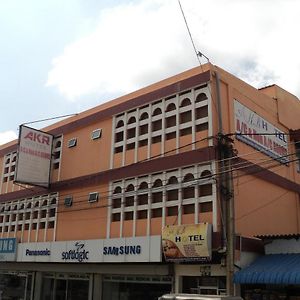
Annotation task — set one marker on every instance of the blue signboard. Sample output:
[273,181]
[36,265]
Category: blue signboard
[8,249]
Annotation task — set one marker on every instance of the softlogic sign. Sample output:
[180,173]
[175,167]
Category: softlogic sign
[187,242]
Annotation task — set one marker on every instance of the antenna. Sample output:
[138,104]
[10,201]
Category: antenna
[48,119]
[198,53]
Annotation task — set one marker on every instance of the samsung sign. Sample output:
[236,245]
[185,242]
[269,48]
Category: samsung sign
[127,250]
[8,248]
[135,249]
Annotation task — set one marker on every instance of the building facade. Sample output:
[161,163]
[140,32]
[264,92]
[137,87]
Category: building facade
[124,171]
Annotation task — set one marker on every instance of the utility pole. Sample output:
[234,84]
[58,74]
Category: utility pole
[227,197]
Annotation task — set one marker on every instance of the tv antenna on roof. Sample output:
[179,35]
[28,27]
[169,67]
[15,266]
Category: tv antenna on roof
[198,53]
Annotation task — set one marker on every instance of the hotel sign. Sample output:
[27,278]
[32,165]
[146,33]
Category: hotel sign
[187,242]
[258,133]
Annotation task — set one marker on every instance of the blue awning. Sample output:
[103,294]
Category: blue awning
[271,269]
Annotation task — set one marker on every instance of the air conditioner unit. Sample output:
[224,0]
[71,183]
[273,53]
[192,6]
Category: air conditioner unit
[96,134]
[68,201]
[72,142]
[93,197]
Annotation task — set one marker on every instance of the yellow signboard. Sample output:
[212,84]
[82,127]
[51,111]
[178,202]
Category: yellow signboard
[187,242]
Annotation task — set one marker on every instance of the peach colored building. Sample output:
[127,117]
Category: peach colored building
[124,170]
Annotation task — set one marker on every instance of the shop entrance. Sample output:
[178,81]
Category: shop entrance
[16,285]
[63,287]
[205,285]
[135,287]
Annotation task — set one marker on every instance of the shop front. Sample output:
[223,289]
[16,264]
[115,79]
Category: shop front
[89,269]
[271,277]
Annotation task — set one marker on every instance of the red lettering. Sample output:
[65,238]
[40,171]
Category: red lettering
[37,137]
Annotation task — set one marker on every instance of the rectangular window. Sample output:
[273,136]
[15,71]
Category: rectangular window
[142,214]
[93,197]
[68,201]
[172,211]
[156,125]
[156,213]
[170,121]
[202,127]
[72,142]
[205,207]
[96,134]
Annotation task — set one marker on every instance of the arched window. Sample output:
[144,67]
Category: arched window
[172,194]
[120,124]
[130,188]
[172,180]
[157,183]
[201,97]
[117,190]
[206,174]
[53,201]
[188,191]
[157,194]
[185,102]
[171,107]
[131,120]
[157,112]
[58,144]
[144,116]
[143,198]
[143,186]
[188,177]
[205,189]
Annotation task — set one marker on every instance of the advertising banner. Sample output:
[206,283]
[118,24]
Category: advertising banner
[135,249]
[187,242]
[34,157]
[8,249]
[258,133]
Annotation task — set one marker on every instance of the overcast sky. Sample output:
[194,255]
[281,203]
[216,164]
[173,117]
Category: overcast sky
[60,57]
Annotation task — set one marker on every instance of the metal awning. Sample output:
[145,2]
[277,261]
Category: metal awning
[271,269]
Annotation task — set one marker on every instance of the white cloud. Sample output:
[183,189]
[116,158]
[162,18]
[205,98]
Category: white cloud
[139,43]
[7,136]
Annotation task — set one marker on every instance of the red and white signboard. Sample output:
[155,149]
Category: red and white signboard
[34,157]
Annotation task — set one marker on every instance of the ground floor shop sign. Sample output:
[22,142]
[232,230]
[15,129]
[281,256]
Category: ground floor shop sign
[135,249]
[8,249]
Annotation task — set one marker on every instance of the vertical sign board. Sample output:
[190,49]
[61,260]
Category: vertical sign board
[258,133]
[187,242]
[8,249]
[34,157]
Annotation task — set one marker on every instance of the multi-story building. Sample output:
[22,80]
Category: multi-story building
[159,158]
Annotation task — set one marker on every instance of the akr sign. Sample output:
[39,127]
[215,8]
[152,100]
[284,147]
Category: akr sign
[34,157]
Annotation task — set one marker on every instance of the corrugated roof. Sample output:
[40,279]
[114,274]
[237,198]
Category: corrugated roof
[278,236]
[271,269]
